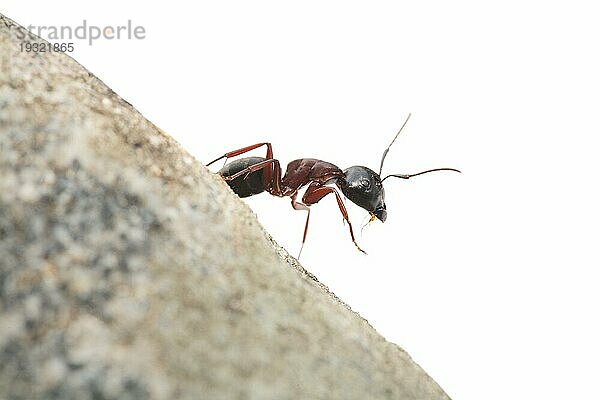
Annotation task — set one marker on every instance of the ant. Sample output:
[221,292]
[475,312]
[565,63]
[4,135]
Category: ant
[363,186]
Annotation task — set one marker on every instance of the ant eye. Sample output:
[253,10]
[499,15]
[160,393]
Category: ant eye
[365,184]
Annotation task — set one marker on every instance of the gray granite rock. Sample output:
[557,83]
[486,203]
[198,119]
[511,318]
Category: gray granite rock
[129,271]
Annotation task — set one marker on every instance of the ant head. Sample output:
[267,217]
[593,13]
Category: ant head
[363,187]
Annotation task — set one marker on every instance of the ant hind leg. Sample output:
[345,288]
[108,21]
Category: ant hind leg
[245,150]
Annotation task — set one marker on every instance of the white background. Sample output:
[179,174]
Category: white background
[488,279]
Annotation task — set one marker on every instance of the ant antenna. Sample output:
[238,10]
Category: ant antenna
[403,176]
[388,148]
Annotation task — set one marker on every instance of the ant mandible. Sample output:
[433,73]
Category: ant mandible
[361,185]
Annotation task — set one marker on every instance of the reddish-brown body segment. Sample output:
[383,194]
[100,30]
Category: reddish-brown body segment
[301,172]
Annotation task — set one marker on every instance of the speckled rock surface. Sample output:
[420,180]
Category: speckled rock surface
[128,271]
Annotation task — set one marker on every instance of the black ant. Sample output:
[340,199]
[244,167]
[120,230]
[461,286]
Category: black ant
[363,186]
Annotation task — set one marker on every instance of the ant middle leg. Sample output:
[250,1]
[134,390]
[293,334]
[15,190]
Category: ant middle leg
[271,175]
[301,206]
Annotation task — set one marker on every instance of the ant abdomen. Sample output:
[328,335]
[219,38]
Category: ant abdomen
[244,186]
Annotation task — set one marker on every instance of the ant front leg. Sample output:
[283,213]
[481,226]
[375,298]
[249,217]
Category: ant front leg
[316,192]
[245,150]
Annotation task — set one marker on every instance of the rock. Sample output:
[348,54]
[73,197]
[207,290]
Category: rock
[129,271]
